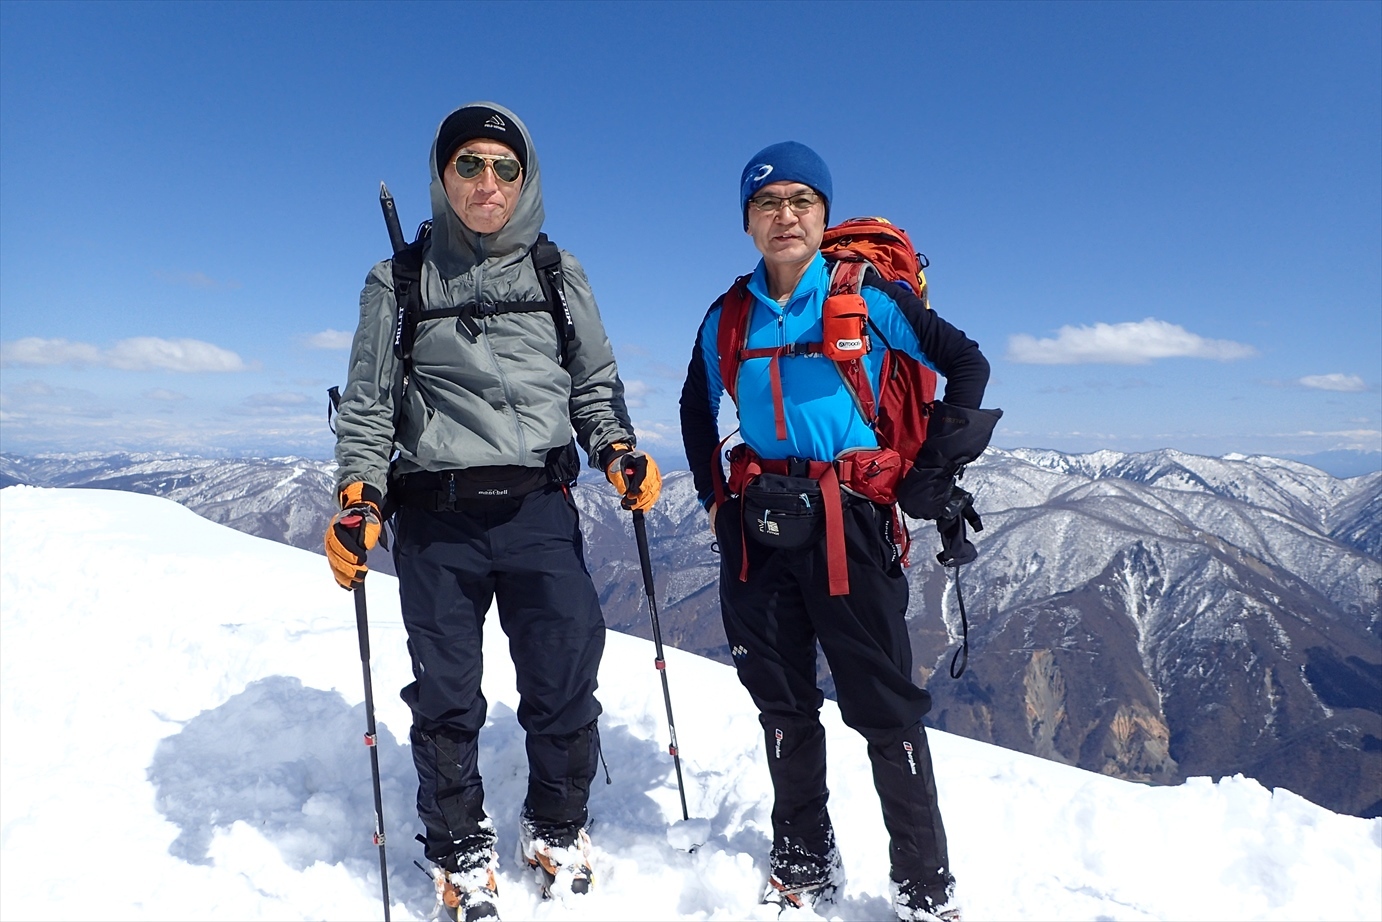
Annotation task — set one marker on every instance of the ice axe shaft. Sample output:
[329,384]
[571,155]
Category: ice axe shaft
[640,532]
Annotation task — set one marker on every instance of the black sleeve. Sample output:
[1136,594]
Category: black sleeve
[700,431]
[948,349]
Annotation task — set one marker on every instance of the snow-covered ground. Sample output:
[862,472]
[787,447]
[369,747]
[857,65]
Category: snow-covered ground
[181,739]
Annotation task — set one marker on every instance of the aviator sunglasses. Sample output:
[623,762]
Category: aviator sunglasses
[506,169]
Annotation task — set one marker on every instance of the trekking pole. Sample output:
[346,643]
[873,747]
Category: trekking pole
[371,736]
[640,532]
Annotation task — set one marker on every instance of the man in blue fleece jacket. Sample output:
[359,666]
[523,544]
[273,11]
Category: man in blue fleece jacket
[779,603]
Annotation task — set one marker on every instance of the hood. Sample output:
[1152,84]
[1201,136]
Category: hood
[456,248]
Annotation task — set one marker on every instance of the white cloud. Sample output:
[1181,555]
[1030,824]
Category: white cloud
[140,353]
[46,404]
[1349,384]
[662,434]
[280,404]
[1122,344]
[278,399]
[1356,435]
[162,393]
[329,339]
[636,393]
[32,351]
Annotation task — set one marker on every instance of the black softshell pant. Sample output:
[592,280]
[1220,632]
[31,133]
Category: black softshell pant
[526,554]
[772,622]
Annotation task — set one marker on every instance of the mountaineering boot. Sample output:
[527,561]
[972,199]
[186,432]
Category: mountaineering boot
[559,852]
[801,878]
[467,889]
[913,904]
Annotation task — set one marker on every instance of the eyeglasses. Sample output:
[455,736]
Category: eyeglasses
[801,203]
[469,166]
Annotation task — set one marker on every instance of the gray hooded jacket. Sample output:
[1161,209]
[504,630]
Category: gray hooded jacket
[502,397]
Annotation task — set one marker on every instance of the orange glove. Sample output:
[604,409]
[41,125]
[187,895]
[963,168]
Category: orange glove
[635,475]
[352,532]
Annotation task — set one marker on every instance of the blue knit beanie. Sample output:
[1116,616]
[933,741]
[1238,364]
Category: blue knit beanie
[787,161]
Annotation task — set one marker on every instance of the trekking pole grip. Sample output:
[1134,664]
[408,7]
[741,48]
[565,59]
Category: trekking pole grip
[640,532]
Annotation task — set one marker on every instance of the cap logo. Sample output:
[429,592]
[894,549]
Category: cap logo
[761,172]
[497,122]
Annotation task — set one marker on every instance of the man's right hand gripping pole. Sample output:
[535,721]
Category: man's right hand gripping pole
[634,475]
[352,532]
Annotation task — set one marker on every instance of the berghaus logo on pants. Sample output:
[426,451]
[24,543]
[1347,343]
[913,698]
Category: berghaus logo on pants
[777,753]
[911,762]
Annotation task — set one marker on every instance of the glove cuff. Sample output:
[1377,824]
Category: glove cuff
[355,493]
[612,451]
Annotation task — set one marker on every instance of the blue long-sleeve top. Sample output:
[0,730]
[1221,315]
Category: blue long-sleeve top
[822,418]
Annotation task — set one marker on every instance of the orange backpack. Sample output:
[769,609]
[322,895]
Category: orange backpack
[898,413]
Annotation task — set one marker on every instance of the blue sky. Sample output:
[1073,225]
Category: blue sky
[1162,222]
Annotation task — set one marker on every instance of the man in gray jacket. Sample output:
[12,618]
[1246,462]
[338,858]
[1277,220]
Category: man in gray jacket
[502,370]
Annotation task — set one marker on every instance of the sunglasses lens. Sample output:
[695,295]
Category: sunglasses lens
[802,203]
[468,166]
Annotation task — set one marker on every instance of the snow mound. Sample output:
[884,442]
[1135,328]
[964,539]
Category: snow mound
[181,739]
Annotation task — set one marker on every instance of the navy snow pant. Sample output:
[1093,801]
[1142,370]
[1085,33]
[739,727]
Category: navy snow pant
[773,621]
[527,554]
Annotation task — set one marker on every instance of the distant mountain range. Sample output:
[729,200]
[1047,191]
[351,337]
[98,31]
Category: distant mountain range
[1150,616]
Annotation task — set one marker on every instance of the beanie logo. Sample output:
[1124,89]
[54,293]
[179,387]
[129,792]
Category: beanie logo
[761,172]
[496,121]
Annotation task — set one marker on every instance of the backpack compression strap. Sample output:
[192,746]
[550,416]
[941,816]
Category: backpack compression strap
[847,277]
[407,279]
[546,259]
[733,333]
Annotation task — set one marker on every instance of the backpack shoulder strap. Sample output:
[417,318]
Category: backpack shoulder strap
[847,278]
[733,331]
[407,292]
[546,257]
[847,273]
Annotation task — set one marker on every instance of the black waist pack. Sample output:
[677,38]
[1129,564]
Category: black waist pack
[784,512]
[446,491]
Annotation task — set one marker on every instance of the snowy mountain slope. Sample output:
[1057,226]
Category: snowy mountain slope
[1170,629]
[1171,622]
[188,698]
[1294,490]
[284,499]
[1153,631]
